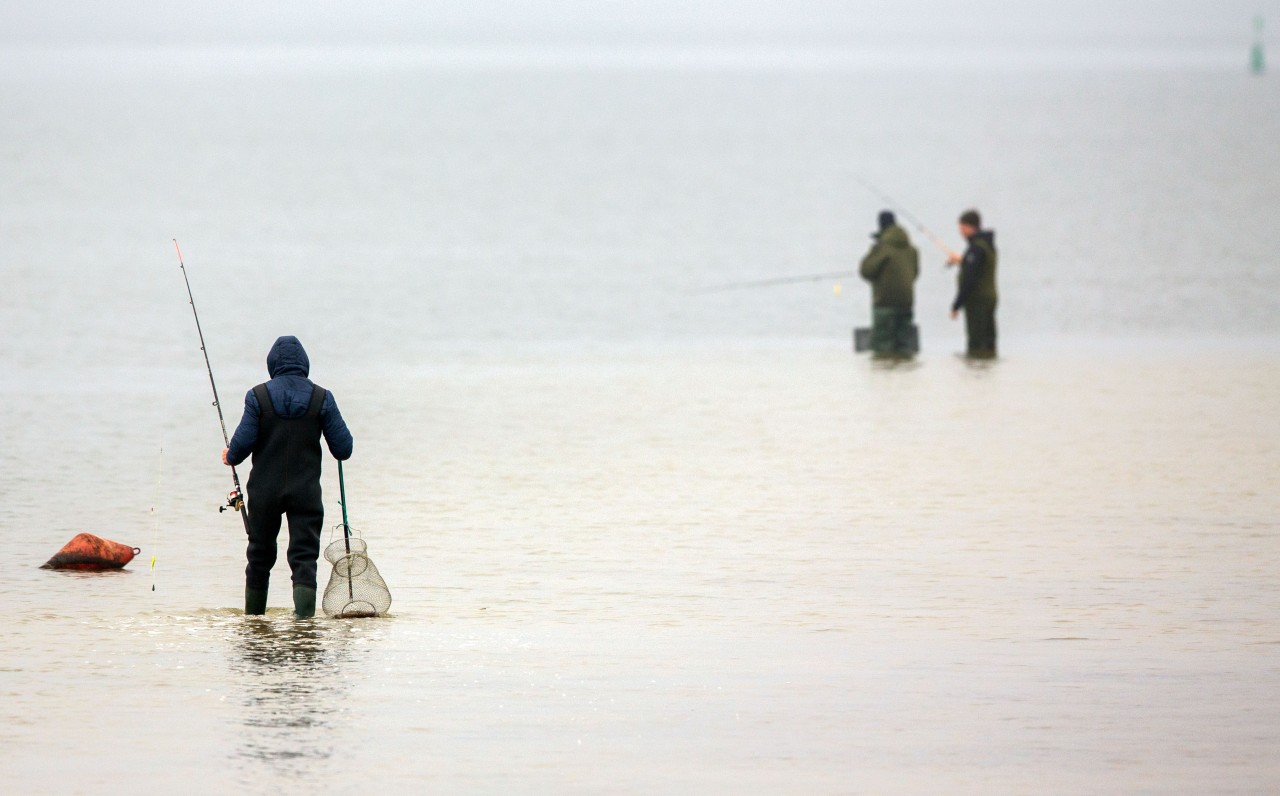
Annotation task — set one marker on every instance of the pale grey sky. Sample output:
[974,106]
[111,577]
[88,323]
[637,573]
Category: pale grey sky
[772,23]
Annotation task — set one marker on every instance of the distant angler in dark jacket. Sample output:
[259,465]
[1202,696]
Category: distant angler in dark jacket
[976,286]
[892,267]
[283,421]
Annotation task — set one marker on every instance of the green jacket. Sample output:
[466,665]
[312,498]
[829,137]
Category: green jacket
[891,267]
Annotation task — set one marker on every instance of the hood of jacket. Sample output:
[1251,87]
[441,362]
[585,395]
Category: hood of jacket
[894,236]
[288,358]
[988,235]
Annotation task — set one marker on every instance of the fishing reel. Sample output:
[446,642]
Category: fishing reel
[234,501]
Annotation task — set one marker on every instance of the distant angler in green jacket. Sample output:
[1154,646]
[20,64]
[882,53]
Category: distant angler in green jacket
[976,286]
[891,267]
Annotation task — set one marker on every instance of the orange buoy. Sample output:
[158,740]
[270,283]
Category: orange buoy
[91,553]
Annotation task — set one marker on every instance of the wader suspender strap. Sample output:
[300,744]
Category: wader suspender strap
[264,401]
[317,401]
[318,395]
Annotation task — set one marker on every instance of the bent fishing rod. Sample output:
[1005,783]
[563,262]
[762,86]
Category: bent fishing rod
[915,222]
[235,500]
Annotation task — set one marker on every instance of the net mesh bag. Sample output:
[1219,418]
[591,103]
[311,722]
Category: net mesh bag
[355,588]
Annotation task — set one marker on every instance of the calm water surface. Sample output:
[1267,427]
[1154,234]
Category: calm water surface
[696,568]
[640,540]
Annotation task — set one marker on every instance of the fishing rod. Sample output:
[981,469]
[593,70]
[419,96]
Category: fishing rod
[915,222]
[235,499]
[787,280]
[782,280]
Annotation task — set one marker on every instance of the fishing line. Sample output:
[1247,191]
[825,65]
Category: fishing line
[155,518]
[782,280]
[235,500]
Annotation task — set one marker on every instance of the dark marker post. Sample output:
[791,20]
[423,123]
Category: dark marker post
[1257,55]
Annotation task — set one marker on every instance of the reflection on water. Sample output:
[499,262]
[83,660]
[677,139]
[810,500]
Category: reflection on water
[896,363]
[289,669]
[978,363]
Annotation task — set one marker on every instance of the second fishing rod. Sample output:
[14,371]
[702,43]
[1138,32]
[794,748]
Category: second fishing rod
[934,238]
[235,499]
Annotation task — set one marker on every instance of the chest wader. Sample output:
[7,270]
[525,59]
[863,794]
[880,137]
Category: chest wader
[980,308]
[980,327]
[893,332]
[285,479]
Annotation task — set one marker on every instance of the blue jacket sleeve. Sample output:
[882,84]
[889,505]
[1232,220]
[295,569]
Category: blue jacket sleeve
[336,433]
[246,435]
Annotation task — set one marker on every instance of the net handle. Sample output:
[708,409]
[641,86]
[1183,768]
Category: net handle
[346,527]
[342,493]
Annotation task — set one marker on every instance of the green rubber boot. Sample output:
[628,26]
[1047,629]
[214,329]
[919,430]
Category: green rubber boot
[255,601]
[304,601]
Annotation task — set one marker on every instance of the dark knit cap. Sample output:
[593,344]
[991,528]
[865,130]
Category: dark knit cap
[971,218]
[887,219]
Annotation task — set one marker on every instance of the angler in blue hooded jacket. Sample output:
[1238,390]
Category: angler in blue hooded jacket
[282,424]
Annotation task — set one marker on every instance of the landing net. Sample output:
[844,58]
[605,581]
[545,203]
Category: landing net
[355,588]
